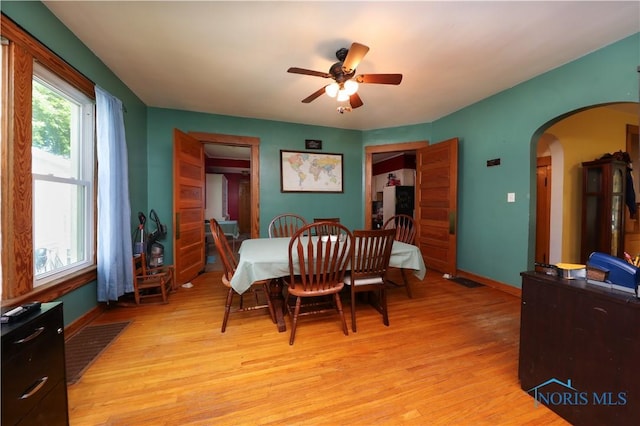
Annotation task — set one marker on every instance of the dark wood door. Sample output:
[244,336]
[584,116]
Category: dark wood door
[244,207]
[437,204]
[188,206]
[543,209]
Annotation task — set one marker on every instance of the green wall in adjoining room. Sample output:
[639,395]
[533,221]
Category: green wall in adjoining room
[495,238]
[274,136]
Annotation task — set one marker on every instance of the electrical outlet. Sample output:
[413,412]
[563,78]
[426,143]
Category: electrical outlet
[511,197]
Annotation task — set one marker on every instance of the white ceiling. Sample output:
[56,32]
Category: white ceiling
[231,58]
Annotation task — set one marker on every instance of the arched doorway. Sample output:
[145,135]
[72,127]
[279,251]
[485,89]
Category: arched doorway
[569,140]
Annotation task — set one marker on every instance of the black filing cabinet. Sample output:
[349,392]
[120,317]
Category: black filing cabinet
[34,388]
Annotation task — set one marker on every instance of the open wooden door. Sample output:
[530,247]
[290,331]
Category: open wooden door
[437,204]
[188,206]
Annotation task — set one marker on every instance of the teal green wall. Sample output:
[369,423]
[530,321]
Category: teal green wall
[412,133]
[35,18]
[274,136]
[495,238]
[79,302]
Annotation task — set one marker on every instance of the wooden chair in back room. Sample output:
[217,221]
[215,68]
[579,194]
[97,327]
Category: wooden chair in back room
[327,219]
[229,264]
[405,227]
[285,225]
[328,228]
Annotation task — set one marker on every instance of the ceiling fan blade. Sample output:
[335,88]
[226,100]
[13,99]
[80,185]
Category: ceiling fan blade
[355,55]
[355,101]
[379,78]
[296,70]
[314,95]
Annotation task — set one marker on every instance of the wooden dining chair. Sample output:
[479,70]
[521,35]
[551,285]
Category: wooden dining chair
[151,283]
[327,229]
[405,228]
[229,265]
[285,225]
[369,264]
[327,219]
[317,266]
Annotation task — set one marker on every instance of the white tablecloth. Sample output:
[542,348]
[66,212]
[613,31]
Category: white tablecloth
[268,258]
[229,228]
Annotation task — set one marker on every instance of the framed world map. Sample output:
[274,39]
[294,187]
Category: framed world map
[310,172]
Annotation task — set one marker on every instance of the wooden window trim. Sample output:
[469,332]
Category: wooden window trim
[46,57]
[16,209]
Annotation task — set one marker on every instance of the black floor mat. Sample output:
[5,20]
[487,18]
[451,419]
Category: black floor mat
[466,282]
[85,347]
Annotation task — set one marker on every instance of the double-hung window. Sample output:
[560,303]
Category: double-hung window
[62,164]
[48,173]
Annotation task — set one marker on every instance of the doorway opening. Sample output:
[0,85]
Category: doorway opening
[568,141]
[232,166]
[370,152]
[246,185]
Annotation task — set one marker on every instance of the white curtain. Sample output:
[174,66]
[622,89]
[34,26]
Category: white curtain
[115,271]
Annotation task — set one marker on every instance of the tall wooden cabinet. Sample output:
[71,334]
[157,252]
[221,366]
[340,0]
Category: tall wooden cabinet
[603,203]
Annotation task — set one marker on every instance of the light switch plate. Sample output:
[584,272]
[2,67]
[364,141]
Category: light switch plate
[511,197]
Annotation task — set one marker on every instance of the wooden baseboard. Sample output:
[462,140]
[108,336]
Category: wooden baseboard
[491,283]
[82,321]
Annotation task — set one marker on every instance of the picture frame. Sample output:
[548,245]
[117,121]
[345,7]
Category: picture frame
[302,171]
[312,144]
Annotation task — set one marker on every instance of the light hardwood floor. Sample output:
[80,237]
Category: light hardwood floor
[449,357]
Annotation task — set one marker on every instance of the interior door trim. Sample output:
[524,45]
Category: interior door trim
[368,169]
[254,181]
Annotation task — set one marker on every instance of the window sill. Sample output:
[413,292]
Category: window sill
[56,289]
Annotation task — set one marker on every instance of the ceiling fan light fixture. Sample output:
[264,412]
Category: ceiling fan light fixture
[346,83]
[332,89]
[350,87]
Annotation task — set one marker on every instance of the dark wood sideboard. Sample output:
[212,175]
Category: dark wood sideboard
[580,350]
[34,386]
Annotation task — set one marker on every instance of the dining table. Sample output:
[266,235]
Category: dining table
[229,228]
[267,259]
